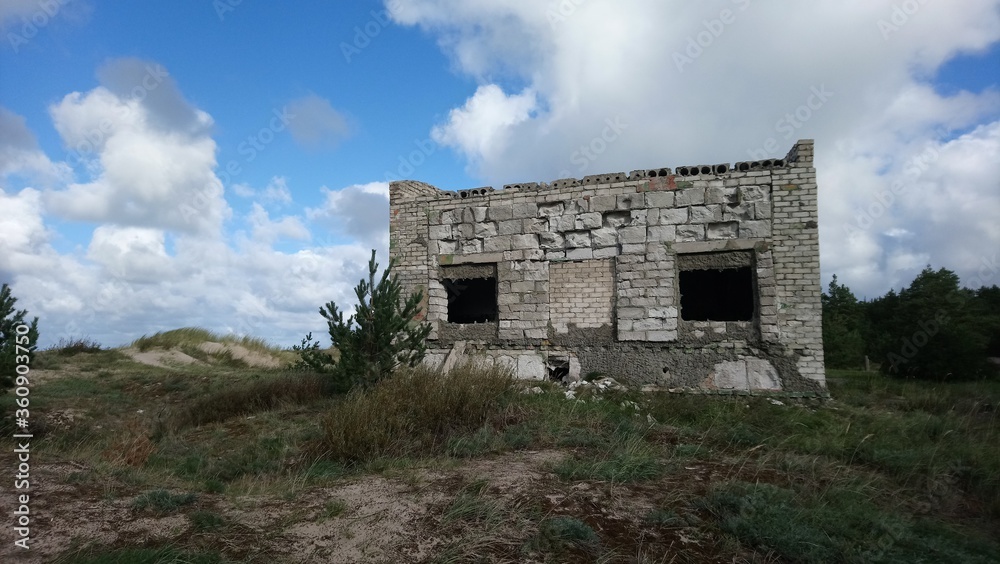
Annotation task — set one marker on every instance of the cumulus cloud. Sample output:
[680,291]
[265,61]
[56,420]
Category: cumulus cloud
[161,255]
[266,230]
[150,153]
[577,88]
[20,154]
[359,212]
[316,123]
[276,191]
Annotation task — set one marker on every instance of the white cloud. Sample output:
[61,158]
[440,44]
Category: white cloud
[480,129]
[359,212]
[264,230]
[693,83]
[161,255]
[149,151]
[275,192]
[315,123]
[20,154]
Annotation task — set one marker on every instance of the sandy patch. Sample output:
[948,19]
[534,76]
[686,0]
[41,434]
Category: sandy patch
[160,357]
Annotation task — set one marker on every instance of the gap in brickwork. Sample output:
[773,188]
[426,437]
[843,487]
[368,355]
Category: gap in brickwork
[717,294]
[472,300]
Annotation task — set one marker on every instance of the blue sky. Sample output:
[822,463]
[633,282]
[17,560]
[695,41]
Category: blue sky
[224,163]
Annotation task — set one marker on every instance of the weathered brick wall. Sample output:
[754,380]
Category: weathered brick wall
[582,294]
[588,270]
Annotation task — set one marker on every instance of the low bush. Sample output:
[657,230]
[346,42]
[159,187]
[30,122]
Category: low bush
[247,398]
[415,412]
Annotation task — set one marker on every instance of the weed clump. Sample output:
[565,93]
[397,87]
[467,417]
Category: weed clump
[162,501]
[415,412]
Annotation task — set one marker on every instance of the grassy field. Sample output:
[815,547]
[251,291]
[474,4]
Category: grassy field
[214,462]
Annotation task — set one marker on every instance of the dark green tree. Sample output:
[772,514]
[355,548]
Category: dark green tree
[843,323]
[934,333]
[10,339]
[382,335]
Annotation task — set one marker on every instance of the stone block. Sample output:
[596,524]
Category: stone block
[535,225]
[580,254]
[604,237]
[439,232]
[496,244]
[485,229]
[530,367]
[690,197]
[577,239]
[673,216]
[690,232]
[551,209]
[563,223]
[472,246]
[500,213]
[603,203]
[632,235]
[524,241]
[451,217]
[510,227]
[723,230]
[728,375]
[550,240]
[761,375]
[590,220]
[466,230]
[605,252]
[755,228]
[662,233]
[521,211]
[660,199]
[705,214]
[472,215]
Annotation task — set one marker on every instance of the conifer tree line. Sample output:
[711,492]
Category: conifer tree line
[932,329]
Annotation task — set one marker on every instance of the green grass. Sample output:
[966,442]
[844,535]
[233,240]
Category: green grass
[416,412]
[162,501]
[632,460]
[837,525]
[206,521]
[194,336]
[888,471]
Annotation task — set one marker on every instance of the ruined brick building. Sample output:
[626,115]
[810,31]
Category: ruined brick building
[699,278]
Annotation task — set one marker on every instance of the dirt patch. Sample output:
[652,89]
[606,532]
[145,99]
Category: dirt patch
[161,358]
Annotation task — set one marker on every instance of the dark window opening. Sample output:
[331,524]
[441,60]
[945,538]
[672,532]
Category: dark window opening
[717,295]
[472,300]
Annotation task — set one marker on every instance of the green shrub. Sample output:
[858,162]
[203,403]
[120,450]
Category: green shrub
[15,347]
[382,335]
[415,412]
[560,533]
